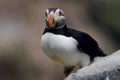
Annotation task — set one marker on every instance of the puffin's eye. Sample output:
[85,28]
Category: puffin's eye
[60,13]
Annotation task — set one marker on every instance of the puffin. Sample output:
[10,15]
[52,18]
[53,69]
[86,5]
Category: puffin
[65,45]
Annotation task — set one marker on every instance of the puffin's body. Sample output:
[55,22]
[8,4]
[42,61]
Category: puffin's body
[62,49]
[67,46]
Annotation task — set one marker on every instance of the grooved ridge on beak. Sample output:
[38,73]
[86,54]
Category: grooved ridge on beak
[50,20]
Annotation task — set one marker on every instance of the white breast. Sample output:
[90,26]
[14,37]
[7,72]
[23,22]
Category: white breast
[61,48]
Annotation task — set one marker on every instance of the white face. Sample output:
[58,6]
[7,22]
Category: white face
[55,18]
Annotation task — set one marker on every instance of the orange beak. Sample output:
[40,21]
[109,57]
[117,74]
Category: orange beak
[50,20]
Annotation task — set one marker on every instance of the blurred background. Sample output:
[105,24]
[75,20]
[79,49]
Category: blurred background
[22,24]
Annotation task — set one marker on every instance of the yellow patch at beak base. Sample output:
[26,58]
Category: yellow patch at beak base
[56,20]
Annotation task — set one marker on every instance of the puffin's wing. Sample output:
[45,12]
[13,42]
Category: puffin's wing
[86,43]
[84,40]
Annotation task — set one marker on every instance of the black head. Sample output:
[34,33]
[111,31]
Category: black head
[54,18]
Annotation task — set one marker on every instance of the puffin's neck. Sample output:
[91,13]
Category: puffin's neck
[57,31]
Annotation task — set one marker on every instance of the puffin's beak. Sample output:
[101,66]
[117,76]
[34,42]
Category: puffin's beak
[50,20]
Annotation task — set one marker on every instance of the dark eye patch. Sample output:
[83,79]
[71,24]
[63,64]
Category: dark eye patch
[46,14]
[60,13]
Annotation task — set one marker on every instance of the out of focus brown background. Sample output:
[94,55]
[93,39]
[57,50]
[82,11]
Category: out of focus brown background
[22,24]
